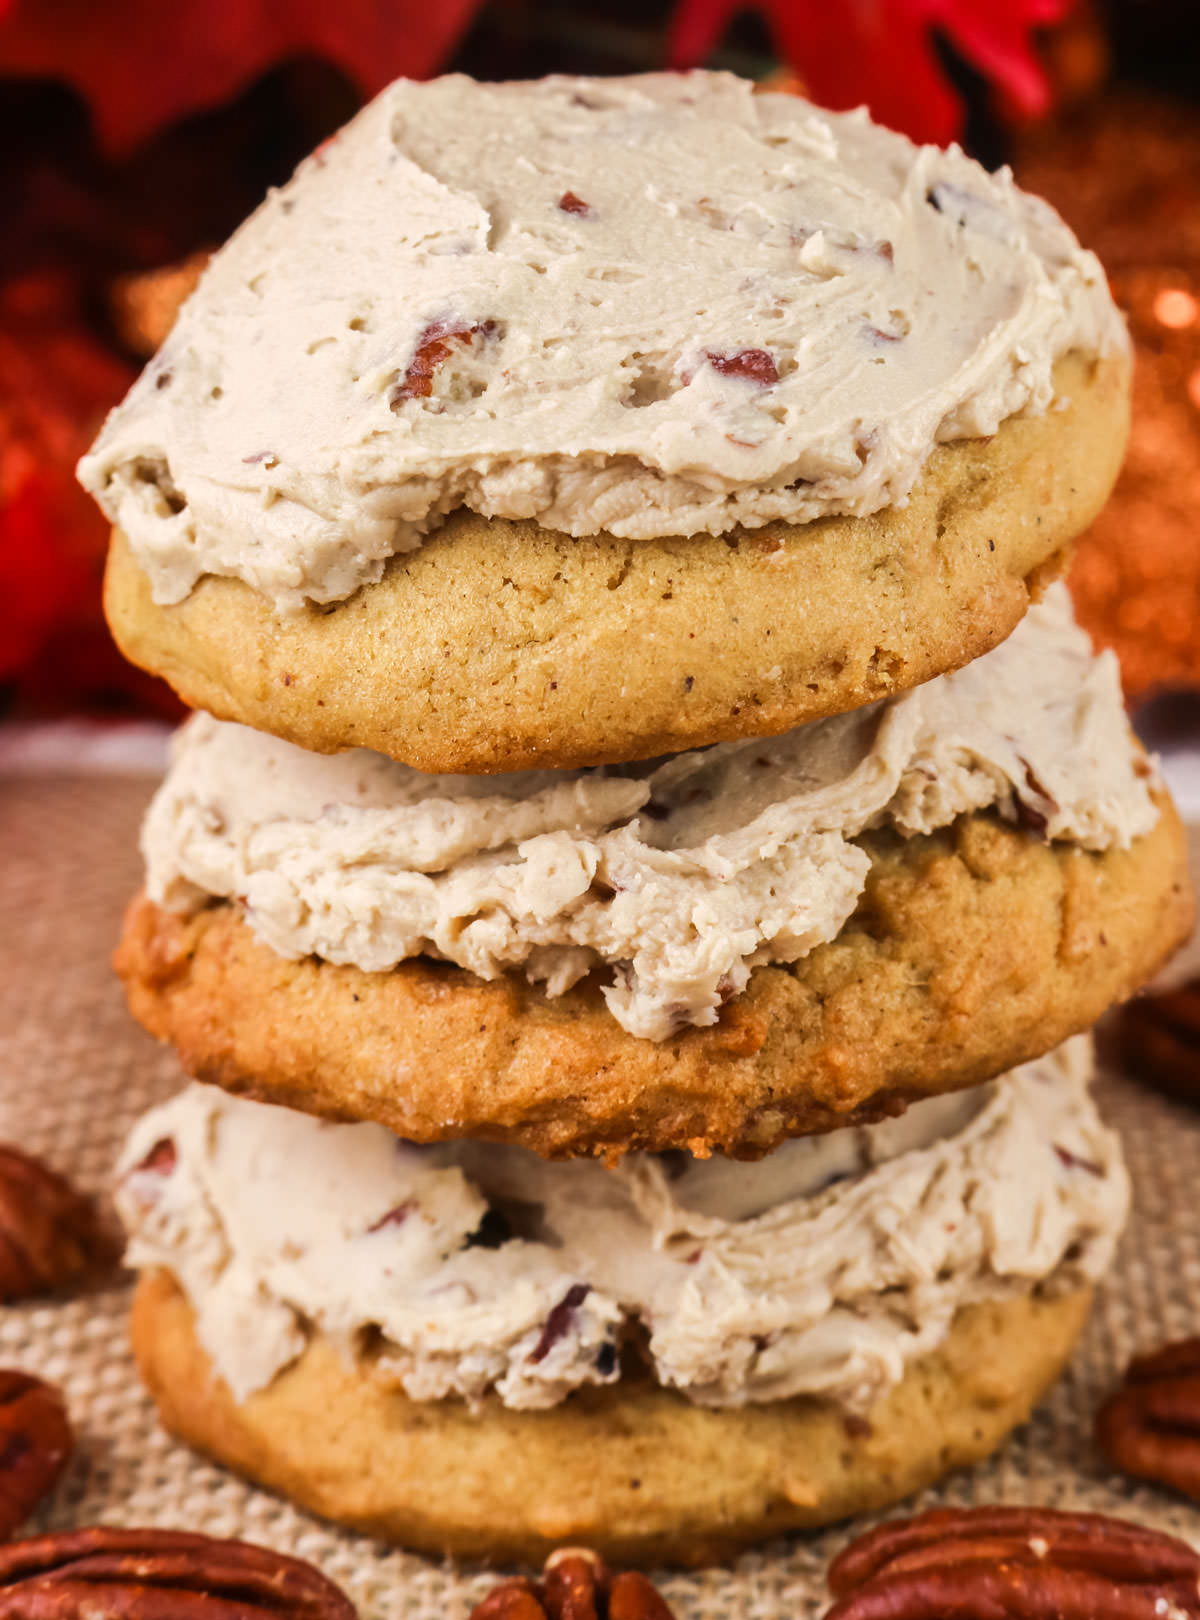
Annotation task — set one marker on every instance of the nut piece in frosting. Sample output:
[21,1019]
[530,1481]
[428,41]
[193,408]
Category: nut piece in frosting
[654,306]
[476,1268]
[672,879]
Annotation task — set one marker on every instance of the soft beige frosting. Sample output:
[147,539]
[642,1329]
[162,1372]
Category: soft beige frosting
[823,1270]
[654,306]
[671,879]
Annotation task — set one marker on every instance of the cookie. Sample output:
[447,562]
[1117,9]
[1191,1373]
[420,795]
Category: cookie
[499,645]
[635,1471]
[971,950]
[630,415]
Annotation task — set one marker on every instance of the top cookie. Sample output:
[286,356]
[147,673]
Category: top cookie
[618,314]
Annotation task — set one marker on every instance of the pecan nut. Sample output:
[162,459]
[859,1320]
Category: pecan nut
[1158,1040]
[436,344]
[110,1574]
[35,1444]
[990,1563]
[576,1584]
[49,1232]
[755,365]
[1150,1427]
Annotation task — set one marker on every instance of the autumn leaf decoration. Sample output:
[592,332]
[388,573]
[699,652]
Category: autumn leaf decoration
[882,53]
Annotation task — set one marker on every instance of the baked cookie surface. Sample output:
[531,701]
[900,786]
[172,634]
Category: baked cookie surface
[499,645]
[637,1472]
[971,950]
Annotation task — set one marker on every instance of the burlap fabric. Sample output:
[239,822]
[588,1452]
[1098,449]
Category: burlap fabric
[74,1072]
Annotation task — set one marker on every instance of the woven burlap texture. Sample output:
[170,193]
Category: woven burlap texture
[74,1073]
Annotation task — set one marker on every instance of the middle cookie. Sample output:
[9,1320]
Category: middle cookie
[721,949]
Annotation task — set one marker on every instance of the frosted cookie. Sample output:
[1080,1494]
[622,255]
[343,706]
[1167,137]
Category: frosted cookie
[583,420]
[970,950]
[811,1314]
[637,1472]
[722,948]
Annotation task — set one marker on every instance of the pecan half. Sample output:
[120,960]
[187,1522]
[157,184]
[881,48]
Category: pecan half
[35,1444]
[990,1563]
[109,1574]
[49,1233]
[1151,1426]
[1158,1039]
[576,1584]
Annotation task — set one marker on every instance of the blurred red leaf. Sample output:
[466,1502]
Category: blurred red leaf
[881,53]
[141,64]
[56,384]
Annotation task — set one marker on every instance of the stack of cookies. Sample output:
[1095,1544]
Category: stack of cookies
[654,834]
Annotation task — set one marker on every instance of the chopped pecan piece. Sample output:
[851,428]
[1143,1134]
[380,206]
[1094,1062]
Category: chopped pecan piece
[35,1444]
[1150,1427]
[144,1182]
[395,1216]
[1158,1038]
[991,1563]
[754,364]
[1032,807]
[49,1233]
[576,1584]
[435,346]
[571,204]
[161,1159]
[109,1574]
[559,1320]
[1072,1161]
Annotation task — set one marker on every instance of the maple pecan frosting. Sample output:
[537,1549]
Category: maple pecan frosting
[654,306]
[470,1267]
[673,879]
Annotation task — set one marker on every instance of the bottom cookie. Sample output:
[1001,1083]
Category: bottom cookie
[636,1471]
